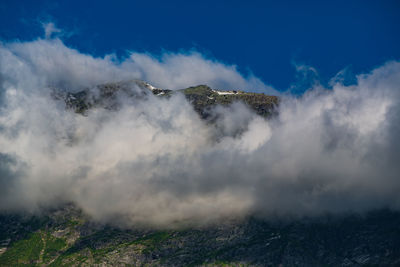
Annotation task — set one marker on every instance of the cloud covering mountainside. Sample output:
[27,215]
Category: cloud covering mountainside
[155,161]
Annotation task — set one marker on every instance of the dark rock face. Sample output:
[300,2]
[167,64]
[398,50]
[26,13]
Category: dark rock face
[104,95]
[353,240]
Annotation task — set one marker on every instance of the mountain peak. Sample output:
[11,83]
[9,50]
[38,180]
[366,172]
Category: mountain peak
[202,97]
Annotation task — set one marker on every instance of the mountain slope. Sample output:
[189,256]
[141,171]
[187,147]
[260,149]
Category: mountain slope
[66,237]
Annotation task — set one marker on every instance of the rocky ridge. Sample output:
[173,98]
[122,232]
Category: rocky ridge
[202,97]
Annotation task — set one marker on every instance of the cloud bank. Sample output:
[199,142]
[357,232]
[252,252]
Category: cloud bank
[155,162]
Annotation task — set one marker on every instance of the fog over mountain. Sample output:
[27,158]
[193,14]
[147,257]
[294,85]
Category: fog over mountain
[154,161]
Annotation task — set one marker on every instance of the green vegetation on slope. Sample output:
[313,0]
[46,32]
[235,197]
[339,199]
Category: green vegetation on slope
[22,252]
[371,239]
[203,98]
[152,241]
[53,247]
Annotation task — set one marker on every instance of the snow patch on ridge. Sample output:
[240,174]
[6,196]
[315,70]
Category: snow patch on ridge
[226,92]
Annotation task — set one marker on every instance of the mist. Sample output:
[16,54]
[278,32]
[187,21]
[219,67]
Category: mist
[154,161]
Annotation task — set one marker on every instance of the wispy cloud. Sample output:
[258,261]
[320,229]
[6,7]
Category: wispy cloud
[50,30]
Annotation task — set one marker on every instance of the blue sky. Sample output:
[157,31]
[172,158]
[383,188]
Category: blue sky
[267,38]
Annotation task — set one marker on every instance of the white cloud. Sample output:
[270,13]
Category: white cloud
[66,67]
[177,71]
[154,161]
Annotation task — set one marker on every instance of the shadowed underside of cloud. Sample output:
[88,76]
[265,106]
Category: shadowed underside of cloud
[155,162]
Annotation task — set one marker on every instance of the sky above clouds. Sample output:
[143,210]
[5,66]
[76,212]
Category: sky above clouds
[333,146]
[266,38]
